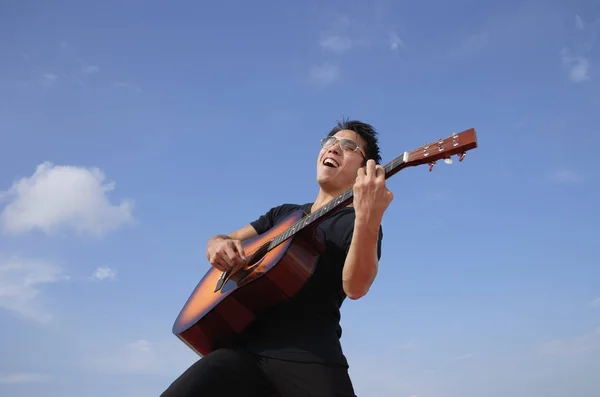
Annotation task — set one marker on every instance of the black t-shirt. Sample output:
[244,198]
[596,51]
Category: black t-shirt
[307,327]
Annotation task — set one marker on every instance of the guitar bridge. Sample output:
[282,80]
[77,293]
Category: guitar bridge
[221,280]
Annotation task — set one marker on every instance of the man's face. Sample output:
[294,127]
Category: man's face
[337,168]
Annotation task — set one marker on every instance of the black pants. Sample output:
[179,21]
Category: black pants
[229,372]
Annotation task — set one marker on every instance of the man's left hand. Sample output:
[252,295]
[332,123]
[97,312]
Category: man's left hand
[371,196]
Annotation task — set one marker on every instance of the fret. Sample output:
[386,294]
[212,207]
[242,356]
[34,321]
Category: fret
[395,163]
[389,167]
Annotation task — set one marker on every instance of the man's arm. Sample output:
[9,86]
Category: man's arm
[371,199]
[241,234]
[360,268]
[224,251]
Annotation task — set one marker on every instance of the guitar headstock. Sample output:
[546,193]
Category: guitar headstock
[455,144]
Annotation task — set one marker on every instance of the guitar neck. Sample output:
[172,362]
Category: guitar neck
[336,204]
[429,153]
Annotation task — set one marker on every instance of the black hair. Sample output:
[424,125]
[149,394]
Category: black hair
[366,132]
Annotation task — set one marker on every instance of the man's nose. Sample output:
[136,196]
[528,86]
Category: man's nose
[335,148]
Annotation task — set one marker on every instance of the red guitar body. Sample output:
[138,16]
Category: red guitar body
[211,318]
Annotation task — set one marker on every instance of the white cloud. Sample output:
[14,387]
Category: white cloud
[159,354]
[578,66]
[395,41]
[21,377]
[465,356]
[104,273]
[49,79]
[90,69]
[336,43]
[337,40]
[579,25]
[139,356]
[325,74]
[566,176]
[21,281]
[579,345]
[57,197]
[127,85]
[50,76]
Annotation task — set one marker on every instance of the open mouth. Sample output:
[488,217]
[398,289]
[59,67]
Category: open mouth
[329,162]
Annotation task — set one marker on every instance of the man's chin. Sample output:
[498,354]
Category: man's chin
[329,182]
[325,177]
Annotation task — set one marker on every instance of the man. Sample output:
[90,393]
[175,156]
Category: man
[294,348]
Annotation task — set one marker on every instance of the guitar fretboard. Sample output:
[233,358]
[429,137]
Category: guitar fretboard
[331,207]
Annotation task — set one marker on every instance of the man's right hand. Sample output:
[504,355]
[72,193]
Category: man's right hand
[225,253]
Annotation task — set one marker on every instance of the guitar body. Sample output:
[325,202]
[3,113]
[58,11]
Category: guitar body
[210,318]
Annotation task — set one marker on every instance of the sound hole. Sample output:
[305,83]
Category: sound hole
[247,269]
[257,256]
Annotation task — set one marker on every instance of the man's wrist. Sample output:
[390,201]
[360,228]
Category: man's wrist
[367,224]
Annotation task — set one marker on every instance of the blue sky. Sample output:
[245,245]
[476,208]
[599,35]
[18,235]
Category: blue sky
[129,135]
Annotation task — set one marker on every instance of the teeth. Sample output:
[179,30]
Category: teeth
[331,161]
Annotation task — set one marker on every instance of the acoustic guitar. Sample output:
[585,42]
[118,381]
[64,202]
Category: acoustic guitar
[280,261]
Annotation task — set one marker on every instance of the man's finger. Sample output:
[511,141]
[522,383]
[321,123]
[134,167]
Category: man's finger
[232,255]
[380,172]
[370,168]
[218,266]
[240,249]
[226,262]
[361,172]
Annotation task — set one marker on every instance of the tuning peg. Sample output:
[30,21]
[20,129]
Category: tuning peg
[448,160]
[461,156]
[431,164]
[455,139]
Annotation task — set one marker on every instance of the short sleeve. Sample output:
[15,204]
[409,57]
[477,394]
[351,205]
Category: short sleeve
[266,221]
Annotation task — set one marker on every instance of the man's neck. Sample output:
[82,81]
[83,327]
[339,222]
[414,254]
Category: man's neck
[323,197]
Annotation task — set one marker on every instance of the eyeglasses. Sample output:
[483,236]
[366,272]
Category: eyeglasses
[346,144]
